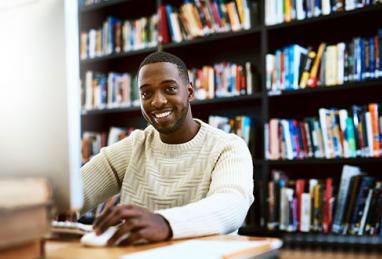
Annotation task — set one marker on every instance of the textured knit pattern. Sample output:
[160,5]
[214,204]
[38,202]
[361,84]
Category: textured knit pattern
[203,186]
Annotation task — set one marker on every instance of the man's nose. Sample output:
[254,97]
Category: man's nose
[158,100]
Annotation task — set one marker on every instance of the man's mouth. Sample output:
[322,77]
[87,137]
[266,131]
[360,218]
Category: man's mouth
[162,115]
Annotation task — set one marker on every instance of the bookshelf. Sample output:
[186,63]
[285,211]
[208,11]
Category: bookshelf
[242,46]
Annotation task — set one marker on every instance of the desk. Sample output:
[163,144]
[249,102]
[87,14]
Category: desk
[73,249]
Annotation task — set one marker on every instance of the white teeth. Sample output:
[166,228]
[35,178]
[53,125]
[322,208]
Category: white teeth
[161,115]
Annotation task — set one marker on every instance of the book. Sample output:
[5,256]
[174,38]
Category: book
[25,216]
[307,68]
[19,192]
[347,172]
[312,81]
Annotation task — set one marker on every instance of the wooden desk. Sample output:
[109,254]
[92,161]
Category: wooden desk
[73,249]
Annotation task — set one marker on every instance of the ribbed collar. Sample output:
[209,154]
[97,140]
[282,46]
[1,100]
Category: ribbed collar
[196,140]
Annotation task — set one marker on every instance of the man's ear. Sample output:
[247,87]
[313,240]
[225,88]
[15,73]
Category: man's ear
[190,91]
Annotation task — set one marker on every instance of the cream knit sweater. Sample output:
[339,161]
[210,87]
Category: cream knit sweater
[203,186]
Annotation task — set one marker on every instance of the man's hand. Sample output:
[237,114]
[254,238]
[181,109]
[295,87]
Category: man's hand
[138,222]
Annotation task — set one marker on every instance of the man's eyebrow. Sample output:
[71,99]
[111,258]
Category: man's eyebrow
[168,81]
[143,86]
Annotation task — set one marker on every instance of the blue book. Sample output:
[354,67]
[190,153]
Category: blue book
[293,134]
[371,58]
[378,64]
[366,184]
[170,25]
[362,59]
[357,59]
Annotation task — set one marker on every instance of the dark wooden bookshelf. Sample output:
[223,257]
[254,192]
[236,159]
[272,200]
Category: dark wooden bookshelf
[335,89]
[214,37]
[121,55]
[101,5]
[375,9]
[250,45]
[323,161]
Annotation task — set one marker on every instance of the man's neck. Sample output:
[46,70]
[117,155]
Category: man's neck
[183,134]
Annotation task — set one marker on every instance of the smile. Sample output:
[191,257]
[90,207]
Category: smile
[162,114]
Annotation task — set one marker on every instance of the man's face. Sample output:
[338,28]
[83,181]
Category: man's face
[164,96]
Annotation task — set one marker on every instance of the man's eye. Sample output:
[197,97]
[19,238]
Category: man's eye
[145,94]
[171,89]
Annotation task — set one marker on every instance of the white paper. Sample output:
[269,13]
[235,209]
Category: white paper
[206,249]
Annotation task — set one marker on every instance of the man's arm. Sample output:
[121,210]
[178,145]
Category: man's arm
[227,202]
[102,175]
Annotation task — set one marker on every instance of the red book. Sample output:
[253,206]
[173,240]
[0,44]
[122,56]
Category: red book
[300,187]
[163,26]
[327,220]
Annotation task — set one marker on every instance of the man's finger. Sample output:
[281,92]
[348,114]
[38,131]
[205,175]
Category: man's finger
[125,229]
[133,238]
[101,217]
[118,214]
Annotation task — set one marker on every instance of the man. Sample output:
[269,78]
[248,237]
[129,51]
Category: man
[179,177]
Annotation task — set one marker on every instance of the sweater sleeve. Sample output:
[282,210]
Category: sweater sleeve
[227,202]
[103,174]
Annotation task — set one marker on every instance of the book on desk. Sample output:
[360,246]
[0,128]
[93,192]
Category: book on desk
[24,216]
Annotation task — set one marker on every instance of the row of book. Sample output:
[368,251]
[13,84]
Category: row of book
[197,18]
[296,67]
[92,142]
[336,133]
[239,125]
[318,205]
[281,11]
[116,36]
[114,90]
[221,80]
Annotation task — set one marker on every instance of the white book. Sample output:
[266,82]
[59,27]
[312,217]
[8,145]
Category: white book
[288,140]
[88,90]
[176,27]
[305,215]
[248,73]
[92,43]
[110,90]
[300,12]
[325,122]
[325,4]
[270,11]
[270,67]
[349,5]
[340,62]
[247,15]
[211,83]
[331,65]
[279,11]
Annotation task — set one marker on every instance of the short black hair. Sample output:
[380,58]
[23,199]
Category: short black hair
[162,56]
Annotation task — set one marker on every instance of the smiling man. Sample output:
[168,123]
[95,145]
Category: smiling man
[179,177]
